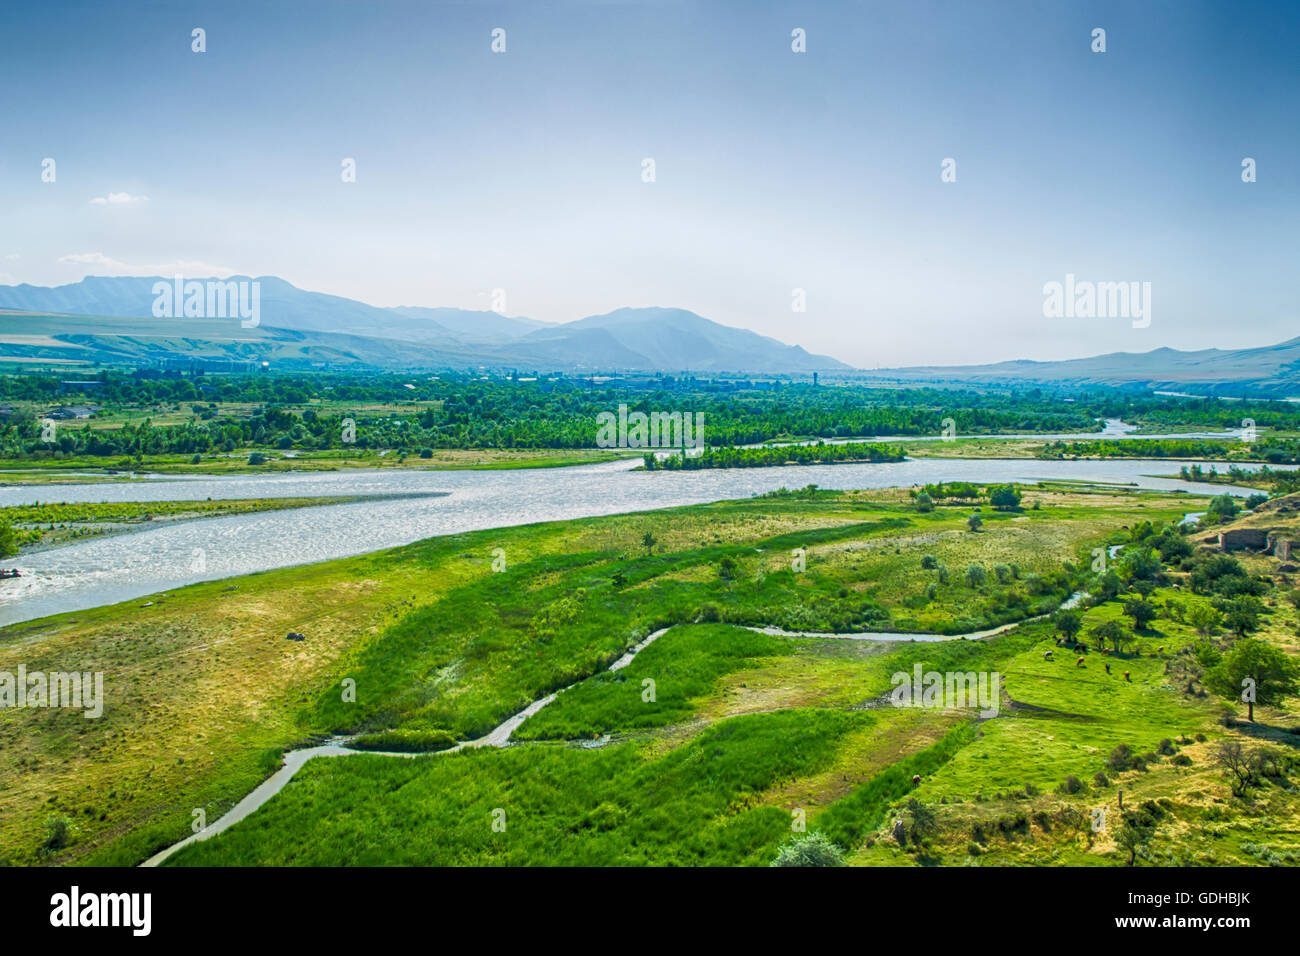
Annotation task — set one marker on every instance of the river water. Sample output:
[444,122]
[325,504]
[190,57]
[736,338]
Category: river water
[107,570]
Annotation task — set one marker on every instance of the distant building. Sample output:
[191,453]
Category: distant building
[88,386]
[65,412]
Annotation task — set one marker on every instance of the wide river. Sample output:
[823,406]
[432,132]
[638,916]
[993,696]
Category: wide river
[165,555]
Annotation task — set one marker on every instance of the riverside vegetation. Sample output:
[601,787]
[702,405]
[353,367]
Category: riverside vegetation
[273,421]
[745,731]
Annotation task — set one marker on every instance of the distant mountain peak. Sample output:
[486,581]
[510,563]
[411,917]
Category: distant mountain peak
[333,331]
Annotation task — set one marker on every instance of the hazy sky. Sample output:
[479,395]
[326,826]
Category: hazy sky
[775,170]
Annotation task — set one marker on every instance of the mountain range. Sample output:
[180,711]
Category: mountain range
[110,320]
[1265,371]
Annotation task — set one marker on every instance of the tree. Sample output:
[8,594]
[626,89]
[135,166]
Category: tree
[1136,833]
[1204,618]
[924,503]
[1256,673]
[1111,631]
[974,522]
[975,575]
[1140,564]
[1103,587]
[1004,497]
[649,541]
[8,541]
[1225,506]
[1068,624]
[1242,614]
[811,850]
[923,819]
[1142,611]
[1232,757]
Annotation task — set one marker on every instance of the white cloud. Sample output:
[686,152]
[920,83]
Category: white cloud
[104,265]
[117,199]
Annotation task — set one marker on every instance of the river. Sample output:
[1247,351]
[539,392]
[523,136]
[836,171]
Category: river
[106,570]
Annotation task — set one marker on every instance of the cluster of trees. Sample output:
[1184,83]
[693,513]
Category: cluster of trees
[1277,482]
[1139,448]
[1249,670]
[1001,497]
[1274,450]
[818,454]
[459,410]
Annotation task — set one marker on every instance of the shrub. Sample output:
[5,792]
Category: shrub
[406,741]
[1072,785]
[929,562]
[1004,497]
[811,850]
[58,834]
[1122,758]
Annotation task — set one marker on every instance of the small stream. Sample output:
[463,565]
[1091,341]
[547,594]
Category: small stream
[500,735]
[294,760]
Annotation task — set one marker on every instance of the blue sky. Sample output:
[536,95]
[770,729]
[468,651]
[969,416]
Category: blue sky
[775,170]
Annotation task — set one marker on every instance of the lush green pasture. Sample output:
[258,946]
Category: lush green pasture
[442,646]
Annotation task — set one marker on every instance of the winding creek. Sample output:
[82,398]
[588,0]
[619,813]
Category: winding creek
[500,735]
[294,760]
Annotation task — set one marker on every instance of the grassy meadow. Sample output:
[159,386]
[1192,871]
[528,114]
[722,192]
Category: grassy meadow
[737,734]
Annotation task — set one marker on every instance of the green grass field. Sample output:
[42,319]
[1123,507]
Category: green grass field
[742,734]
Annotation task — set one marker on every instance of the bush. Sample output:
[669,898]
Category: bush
[405,741]
[929,562]
[1072,785]
[1122,758]
[812,850]
[257,458]
[58,834]
[426,452]
[1101,779]
[1004,497]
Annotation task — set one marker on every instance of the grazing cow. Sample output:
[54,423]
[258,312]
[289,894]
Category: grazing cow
[1108,667]
[1079,662]
[1127,678]
[1047,655]
[916,779]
